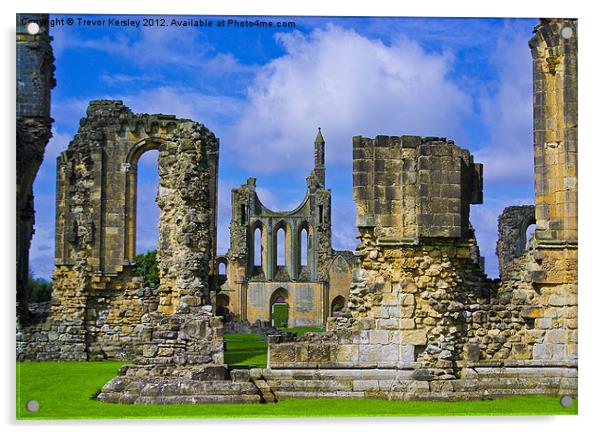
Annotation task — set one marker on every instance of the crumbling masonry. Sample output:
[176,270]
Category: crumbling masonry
[35,79]
[425,322]
[422,321]
[99,309]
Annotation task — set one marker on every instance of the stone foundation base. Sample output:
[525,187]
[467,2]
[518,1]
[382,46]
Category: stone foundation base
[270,385]
[394,384]
[177,391]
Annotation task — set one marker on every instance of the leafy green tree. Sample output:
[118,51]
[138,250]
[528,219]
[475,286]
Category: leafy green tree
[40,289]
[147,267]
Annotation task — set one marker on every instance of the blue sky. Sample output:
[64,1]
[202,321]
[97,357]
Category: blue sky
[264,92]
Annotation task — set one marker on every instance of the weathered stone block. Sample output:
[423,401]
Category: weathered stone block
[388,324]
[240,375]
[165,351]
[471,352]
[348,353]
[369,353]
[556,336]
[521,351]
[149,350]
[364,385]
[532,312]
[406,354]
[389,299]
[318,353]
[281,353]
[407,299]
[379,337]
[543,323]
[414,337]
[548,351]
[405,324]
[390,353]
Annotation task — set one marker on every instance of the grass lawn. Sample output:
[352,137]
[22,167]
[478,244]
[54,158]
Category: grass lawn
[64,390]
[245,350]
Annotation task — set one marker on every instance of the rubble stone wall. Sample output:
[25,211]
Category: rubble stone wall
[419,302]
[99,309]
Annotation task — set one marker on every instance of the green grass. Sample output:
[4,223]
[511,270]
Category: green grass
[245,350]
[65,390]
[280,314]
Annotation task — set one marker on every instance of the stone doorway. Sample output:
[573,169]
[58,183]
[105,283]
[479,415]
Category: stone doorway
[279,308]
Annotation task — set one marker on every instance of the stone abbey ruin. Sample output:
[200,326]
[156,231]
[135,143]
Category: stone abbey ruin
[420,319]
[311,287]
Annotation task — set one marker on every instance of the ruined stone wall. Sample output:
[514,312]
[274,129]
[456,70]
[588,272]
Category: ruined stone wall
[339,278]
[99,309]
[423,321]
[35,79]
[512,235]
[415,282]
[250,287]
[555,119]
[421,304]
[409,187]
[116,325]
[538,290]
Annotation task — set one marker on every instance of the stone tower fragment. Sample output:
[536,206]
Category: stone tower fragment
[35,79]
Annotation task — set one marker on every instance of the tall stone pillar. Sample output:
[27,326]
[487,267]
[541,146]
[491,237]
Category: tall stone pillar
[35,79]
[554,51]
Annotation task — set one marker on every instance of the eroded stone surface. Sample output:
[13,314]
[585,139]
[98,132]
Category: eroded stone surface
[99,308]
[422,321]
[420,285]
[35,80]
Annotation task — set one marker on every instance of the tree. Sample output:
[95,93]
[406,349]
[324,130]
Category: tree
[147,267]
[40,289]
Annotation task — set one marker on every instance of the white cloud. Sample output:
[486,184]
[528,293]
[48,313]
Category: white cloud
[347,84]
[508,113]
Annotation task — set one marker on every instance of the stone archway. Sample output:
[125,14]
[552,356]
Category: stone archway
[337,305]
[279,308]
[222,308]
[96,223]
[131,192]
[100,168]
